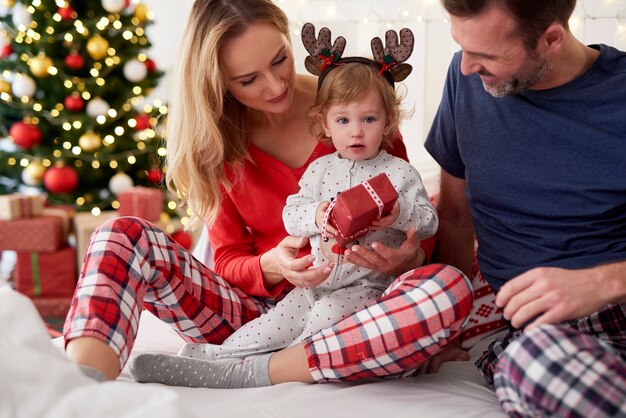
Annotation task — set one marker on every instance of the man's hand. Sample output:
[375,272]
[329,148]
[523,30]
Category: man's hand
[393,261]
[548,295]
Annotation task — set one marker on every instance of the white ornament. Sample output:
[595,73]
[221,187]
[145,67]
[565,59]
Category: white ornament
[21,17]
[119,183]
[97,107]
[135,70]
[114,6]
[4,9]
[23,85]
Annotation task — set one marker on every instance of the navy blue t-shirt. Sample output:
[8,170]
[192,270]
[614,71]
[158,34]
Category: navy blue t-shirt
[545,170]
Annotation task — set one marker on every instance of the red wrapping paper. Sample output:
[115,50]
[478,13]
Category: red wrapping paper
[355,209]
[143,202]
[66,213]
[17,206]
[40,234]
[58,307]
[40,275]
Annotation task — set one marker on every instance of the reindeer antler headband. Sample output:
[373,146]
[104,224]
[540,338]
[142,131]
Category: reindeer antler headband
[388,60]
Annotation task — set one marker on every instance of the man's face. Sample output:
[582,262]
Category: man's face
[493,49]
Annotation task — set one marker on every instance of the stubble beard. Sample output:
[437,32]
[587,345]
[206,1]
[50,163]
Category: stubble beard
[528,76]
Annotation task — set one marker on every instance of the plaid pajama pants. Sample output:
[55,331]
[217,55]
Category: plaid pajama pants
[131,265]
[575,369]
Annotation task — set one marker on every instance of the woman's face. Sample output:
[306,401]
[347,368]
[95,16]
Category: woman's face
[260,68]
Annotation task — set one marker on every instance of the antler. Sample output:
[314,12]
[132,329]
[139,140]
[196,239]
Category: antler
[321,52]
[394,53]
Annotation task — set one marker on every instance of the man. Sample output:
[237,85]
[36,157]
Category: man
[531,138]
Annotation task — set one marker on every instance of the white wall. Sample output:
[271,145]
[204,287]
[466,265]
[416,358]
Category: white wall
[594,21]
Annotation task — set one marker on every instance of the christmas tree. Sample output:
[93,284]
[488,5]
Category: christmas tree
[73,79]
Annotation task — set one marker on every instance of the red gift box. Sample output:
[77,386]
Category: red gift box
[57,307]
[40,234]
[16,206]
[46,275]
[356,208]
[143,202]
[66,213]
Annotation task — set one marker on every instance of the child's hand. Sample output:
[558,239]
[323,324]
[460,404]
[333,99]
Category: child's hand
[319,219]
[387,221]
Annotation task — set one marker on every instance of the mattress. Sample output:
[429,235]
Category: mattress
[52,386]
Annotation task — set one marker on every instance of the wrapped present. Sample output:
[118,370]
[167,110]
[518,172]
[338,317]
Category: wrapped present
[57,307]
[66,213]
[84,225]
[143,202]
[40,234]
[17,206]
[355,209]
[51,274]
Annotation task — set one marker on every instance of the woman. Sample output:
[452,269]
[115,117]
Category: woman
[238,141]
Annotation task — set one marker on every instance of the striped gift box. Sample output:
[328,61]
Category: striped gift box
[16,206]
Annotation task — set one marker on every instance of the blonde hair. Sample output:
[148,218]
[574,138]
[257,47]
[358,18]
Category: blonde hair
[207,127]
[349,82]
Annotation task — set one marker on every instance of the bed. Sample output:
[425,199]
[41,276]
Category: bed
[38,381]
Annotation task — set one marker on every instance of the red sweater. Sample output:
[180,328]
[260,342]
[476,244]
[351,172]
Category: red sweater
[250,223]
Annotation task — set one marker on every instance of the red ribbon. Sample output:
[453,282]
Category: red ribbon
[386,67]
[327,61]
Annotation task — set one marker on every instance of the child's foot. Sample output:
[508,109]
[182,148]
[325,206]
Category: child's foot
[184,371]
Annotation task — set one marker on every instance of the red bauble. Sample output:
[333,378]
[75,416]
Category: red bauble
[74,103]
[25,135]
[150,65]
[66,13]
[184,239]
[155,175]
[143,122]
[60,179]
[6,51]
[74,61]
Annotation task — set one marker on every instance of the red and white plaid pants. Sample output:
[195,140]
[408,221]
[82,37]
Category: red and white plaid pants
[131,265]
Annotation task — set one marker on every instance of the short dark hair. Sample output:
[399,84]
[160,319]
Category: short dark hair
[532,16]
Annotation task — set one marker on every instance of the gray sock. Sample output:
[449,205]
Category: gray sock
[249,372]
[93,373]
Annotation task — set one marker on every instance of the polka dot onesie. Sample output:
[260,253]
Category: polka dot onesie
[349,287]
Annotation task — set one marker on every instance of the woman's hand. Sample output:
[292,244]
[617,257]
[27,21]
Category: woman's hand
[281,263]
[393,261]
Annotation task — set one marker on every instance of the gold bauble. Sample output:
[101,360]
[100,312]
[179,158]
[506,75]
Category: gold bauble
[33,173]
[5,87]
[40,65]
[142,12]
[8,3]
[97,47]
[90,141]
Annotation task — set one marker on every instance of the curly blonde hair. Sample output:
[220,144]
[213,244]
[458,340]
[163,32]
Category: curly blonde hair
[206,126]
[349,82]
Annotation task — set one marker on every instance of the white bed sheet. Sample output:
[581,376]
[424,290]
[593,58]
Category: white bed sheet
[53,386]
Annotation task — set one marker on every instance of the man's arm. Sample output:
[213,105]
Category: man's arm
[455,237]
[548,295]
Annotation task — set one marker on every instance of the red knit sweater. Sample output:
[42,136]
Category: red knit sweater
[249,222]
